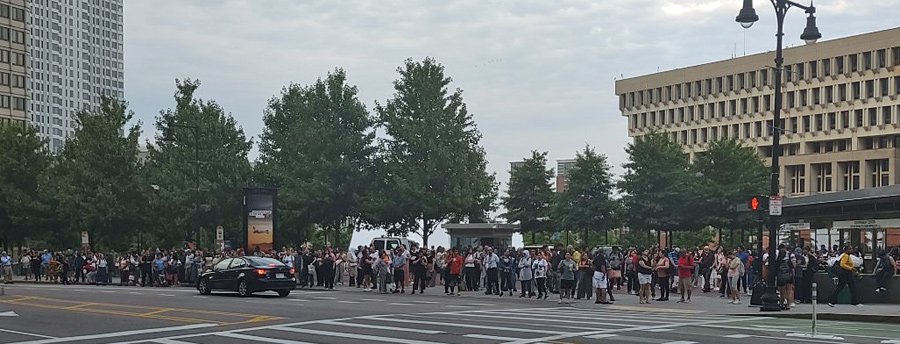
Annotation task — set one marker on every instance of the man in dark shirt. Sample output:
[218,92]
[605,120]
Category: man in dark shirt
[146,262]
[554,273]
[706,262]
[601,283]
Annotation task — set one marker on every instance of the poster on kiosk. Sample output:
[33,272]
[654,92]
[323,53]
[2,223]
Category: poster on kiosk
[259,219]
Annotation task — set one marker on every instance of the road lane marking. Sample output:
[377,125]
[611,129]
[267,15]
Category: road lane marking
[514,329]
[386,328]
[400,304]
[658,330]
[681,342]
[80,306]
[489,337]
[342,301]
[559,337]
[601,336]
[169,295]
[117,334]
[738,336]
[256,339]
[353,336]
[372,300]
[427,302]
[27,334]
[168,341]
[324,297]
[158,311]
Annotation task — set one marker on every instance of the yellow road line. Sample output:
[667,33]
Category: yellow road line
[79,306]
[155,313]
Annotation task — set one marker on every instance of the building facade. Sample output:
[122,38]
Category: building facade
[75,56]
[13,90]
[562,173]
[840,119]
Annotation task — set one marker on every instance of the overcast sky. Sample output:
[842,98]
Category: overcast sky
[535,74]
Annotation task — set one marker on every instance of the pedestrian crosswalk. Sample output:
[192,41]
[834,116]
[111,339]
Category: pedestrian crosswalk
[483,326]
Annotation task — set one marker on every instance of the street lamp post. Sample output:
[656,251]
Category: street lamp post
[746,17]
[169,135]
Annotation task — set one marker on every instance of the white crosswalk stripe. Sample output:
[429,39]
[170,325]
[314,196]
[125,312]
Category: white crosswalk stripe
[492,326]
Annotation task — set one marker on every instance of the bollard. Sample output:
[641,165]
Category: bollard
[815,296]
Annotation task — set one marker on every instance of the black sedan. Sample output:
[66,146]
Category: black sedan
[247,275]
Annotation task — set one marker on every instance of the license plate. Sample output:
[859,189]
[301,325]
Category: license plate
[280,276]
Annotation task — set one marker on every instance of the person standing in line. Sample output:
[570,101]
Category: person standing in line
[579,275]
[540,267]
[685,275]
[586,272]
[382,269]
[735,270]
[366,262]
[644,276]
[566,270]
[599,279]
[25,265]
[615,261]
[35,265]
[525,275]
[663,264]
[631,260]
[469,269]
[507,268]
[454,268]
[784,270]
[800,264]
[707,261]
[418,268]
[6,264]
[491,263]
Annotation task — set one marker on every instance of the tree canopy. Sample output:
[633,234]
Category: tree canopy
[530,195]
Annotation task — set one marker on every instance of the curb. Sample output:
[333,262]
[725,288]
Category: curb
[183,285]
[865,318]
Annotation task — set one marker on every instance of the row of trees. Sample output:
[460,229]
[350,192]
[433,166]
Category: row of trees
[661,190]
[319,147]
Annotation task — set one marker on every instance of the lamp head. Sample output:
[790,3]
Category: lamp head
[747,16]
[811,33]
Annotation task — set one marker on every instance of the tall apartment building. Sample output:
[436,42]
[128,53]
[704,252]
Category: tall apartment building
[75,50]
[840,117]
[13,89]
[562,173]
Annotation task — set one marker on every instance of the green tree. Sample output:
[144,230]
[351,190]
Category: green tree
[433,168]
[587,204]
[727,174]
[529,196]
[656,185]
[197,168]
[23,160]
[96,177]
[318,148]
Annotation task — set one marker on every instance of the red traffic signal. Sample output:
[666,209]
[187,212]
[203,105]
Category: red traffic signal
[758,203]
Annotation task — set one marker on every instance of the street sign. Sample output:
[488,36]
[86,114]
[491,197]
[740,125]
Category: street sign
[775,205]
[796,226]
[220,233]
[84,238]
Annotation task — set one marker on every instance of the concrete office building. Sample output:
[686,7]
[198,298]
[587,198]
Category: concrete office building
[840,118]
[76,53]
[13,90]
[562,173]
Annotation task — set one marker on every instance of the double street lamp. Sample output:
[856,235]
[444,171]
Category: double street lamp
[746,17]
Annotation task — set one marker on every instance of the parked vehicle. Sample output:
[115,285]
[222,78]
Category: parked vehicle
[391,243]
[248,275]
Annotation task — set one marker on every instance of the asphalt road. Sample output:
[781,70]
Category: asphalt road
[87,314]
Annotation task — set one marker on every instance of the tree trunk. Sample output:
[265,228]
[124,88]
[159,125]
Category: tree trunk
[426,227]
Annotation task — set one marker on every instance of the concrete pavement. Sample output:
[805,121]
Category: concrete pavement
[91,314]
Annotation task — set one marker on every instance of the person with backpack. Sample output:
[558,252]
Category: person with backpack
[799,278]
[614,274]
[784,268]
[885,270]
[846,273]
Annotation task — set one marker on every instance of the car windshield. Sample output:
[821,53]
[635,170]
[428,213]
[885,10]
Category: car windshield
[264,262]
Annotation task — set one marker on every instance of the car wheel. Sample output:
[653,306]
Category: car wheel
[242,288]
[283,293]
[203,287]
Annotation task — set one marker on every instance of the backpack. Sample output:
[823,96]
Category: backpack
[615,261]
[785,271]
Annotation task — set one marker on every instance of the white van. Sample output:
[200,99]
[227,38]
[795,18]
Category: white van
[390,243]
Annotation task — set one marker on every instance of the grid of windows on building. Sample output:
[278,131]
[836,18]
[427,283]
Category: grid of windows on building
[76,58]
[12,62]
[840,113]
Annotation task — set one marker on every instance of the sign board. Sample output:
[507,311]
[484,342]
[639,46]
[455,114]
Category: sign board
[85,239]
[775,205]
[259,219]
[867,224]
[798,226]
[220,233]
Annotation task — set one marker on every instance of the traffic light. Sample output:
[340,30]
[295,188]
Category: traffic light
[758,203]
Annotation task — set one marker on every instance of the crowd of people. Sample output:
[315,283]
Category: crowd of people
[536,272]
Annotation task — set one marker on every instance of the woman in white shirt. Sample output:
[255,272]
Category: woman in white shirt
[469,270]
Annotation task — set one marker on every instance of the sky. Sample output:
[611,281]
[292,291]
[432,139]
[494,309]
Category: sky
[535,74]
